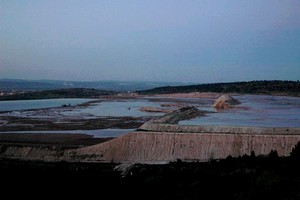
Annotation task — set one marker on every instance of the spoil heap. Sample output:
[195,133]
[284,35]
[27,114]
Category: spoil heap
[225,102]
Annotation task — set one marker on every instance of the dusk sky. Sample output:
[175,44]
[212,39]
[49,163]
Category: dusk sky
[156,40]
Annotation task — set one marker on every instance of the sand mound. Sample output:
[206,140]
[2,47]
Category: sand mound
[225,101]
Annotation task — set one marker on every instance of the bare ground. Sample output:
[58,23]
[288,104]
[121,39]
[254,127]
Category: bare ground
[62,140]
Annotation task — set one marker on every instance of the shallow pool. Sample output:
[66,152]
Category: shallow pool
[254,110]
[38,104]
[117,108]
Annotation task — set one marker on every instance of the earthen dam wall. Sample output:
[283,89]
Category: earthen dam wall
[153,147]
[161,141]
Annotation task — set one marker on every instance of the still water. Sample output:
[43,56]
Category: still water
[117,109]
[38,104]
[254,110]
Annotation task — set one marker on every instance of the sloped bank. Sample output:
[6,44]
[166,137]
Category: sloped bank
[160,147]
[161,141]
[42,146]
[30,153]
[158,141]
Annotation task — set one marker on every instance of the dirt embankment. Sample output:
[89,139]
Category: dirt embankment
[161,127]
[161,140]
[157,147]
[64,140]
[43,146]
[225,102]
[154,109]
[175,116]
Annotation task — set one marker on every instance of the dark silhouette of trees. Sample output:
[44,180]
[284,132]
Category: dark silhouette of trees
[273,154]
[295,154]
[251,87]
[59,93]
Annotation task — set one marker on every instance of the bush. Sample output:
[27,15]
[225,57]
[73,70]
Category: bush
[296,151]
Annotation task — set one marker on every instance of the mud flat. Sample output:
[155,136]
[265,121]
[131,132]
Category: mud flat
[111,112]
[12,123]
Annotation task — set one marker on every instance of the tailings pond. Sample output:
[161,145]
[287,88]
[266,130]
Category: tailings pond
[254,110]
[117,108]
[38,104]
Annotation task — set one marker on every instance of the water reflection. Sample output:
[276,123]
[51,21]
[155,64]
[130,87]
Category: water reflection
[117,109]
[255,110]
[39,104]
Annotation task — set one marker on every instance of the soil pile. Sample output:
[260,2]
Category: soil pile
[225,102]
[163,147]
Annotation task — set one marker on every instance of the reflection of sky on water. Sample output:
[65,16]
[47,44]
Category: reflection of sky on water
[255,110]
[39,104]
[117,109]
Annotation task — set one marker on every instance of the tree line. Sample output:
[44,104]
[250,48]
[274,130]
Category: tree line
[249,87]
[59,93]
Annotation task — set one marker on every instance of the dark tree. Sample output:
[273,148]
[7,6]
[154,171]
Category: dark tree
[296,151]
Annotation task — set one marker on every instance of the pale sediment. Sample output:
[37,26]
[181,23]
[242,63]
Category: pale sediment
[160,141]
[225,102]
[156,127]
[151,147]
[157,142]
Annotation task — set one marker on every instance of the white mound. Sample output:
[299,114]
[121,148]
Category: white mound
[225,101]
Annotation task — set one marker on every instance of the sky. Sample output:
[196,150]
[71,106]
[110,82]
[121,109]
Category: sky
[157,40]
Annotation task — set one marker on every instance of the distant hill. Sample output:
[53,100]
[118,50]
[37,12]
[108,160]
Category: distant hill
[60,93]
[120,86]
[251,87]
